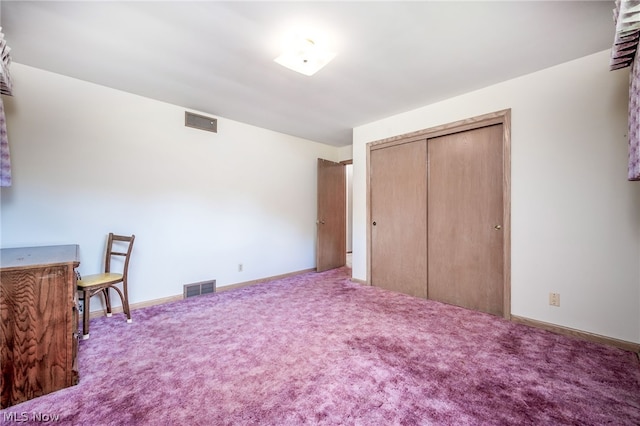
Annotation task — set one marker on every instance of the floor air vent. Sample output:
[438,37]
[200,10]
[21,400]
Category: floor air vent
[196,289]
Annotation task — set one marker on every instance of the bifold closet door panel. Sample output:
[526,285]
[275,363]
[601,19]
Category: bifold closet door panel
[465,235]
[398,189]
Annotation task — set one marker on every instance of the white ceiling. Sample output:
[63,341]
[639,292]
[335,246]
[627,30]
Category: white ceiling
[217,57]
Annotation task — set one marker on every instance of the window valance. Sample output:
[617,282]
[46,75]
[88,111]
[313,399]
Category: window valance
[626,15]
[6,88]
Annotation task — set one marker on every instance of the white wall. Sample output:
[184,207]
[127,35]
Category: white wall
[575,217]
[88,160]
[345,153]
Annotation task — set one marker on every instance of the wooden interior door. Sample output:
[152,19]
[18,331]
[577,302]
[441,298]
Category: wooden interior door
[398,188]
[331,250]
[465,223]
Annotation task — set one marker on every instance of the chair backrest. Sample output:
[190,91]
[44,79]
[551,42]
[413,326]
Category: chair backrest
[111,251]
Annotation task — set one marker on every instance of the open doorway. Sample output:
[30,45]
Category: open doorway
[349,191]
[334,221]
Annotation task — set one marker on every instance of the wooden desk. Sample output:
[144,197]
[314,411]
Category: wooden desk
[39,321]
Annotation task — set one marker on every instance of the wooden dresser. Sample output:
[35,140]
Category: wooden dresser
[39,321]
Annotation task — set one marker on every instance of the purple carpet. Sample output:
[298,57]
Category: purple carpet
[318,349]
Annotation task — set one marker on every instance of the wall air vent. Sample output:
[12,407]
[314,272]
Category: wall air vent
[201,122]
[197,289]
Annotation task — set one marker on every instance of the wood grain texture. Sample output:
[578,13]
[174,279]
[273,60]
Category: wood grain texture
[502,118]
[506,212]
[331,249]
[466,219]
[399,218]
[497,117]
[37,307]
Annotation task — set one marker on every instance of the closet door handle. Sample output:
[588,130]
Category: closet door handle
[374,223]
[497,227]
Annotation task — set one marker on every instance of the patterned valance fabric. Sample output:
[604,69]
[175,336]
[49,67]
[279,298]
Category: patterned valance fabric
[626,15]
[5,77]
[5,161]
[6,88]
[634,120]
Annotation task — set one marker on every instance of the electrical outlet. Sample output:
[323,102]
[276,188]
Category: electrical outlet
[240,267]
[554,299]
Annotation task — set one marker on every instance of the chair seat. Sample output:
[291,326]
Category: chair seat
[99,279]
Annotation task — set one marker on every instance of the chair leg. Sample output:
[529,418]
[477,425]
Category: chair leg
[125,302]
[107,299]
[85,315]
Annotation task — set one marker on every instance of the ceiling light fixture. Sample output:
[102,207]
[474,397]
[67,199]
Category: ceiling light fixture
[305,55]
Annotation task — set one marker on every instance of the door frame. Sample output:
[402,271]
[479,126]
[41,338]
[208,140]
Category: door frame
[498,117]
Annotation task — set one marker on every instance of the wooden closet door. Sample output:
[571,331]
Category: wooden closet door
[398,189]
[465,222]
[331,244]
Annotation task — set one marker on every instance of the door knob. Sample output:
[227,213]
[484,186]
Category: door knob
[497,227]
[374,224]
[322,222]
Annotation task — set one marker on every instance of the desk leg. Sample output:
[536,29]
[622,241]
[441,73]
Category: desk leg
[85,315]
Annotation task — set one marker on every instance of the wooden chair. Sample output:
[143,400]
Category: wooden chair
[91,285]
